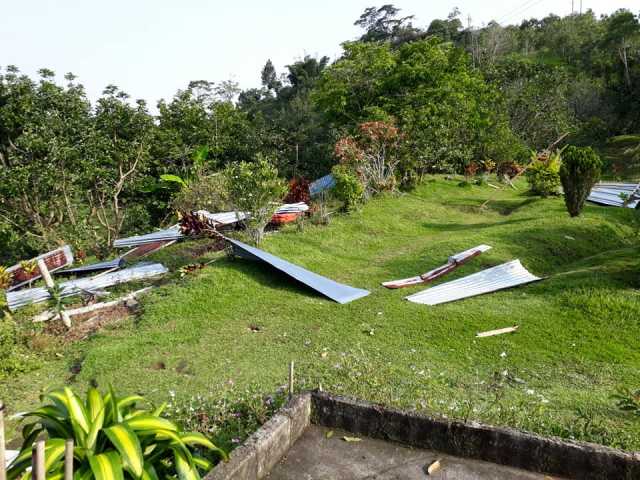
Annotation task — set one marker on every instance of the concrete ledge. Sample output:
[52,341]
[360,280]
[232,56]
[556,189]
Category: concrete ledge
[474,440]
[262,450]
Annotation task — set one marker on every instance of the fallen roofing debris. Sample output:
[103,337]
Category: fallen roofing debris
[289,212]
[54,260]
[615,194]
[322,185]
[147,249]
[224,218]
[503,276]
[96,307]
[166,235]
[500,331]
[454,262]
[114,264]
[29,296]
[335,291]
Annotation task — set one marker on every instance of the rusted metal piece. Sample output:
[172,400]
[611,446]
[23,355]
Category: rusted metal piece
[147,249]
[54,260]
[454,262]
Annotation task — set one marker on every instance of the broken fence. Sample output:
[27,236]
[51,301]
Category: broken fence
[54,260]
[503,276]
[29,296]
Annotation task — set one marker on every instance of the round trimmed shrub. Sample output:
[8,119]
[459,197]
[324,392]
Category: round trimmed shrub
[579,172]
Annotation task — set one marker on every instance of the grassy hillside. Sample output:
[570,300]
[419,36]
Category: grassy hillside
[577,343]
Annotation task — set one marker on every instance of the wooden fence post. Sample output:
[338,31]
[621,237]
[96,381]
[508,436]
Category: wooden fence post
[3,458]
[48,280]
[68,459]
[37,461]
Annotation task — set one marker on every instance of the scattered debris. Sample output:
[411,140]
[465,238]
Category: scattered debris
[616,194]
[29,296]
[254,328]
[335,291]
[503,276]
[434,467]
[54,260]
[147,249]
[322,185]
[289,212]
[96,307]
[191,268]
[167,235]
[352,439]
[114,264]
[454,262]
[329,434]
[493,333]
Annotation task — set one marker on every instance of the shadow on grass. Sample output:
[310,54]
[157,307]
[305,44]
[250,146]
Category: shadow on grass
[456,227]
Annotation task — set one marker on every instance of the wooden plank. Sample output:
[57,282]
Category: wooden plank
[68,459]
[37,461]
[500,331]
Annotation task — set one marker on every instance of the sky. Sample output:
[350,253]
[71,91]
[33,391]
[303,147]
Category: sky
[152,48]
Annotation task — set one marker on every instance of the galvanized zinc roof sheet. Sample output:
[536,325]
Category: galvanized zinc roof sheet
[503,276]
[335,291]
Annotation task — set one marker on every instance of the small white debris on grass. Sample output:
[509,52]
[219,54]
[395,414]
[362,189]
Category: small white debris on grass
[503,354]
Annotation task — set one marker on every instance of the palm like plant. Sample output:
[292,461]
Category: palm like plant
[113,440]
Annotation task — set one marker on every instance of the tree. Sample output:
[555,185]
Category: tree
[385,24]
[116,159]
[579,172]
[623,33]
[270,77]
[448,30]
[255,188]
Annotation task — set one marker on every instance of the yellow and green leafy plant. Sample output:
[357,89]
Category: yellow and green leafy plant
[5,278]
[112,440]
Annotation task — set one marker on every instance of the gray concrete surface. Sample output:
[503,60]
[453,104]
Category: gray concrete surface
[315,457]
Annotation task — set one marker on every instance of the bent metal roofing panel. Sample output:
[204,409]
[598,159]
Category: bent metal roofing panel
[335,291]
[493,279]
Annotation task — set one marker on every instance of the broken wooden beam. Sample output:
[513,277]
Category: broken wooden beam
[500,331]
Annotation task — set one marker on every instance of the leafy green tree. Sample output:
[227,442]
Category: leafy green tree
[43,129]
[579,172]
[255,188]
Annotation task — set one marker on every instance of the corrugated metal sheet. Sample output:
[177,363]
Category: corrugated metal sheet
[299,207]
[223,218]
[95,267]
[609,193]
[493,279]
[54,260]
[335,291]
[322,184]
[29,296]
[168,234]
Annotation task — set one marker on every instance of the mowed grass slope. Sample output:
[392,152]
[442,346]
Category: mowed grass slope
[577,342]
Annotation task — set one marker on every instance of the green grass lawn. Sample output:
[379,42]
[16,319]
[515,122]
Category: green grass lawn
[577,342]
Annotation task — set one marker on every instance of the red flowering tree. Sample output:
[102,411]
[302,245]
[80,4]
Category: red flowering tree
[373,154]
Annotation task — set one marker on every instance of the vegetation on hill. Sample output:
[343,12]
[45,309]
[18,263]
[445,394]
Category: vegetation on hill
[220,340]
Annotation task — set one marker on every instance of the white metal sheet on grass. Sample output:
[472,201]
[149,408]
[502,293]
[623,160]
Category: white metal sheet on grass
[335,291]
[142,271]
[612,194]
[503,276]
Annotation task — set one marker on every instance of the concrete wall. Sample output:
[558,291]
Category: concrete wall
[262,450]
[473,440]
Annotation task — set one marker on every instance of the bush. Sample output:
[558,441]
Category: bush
[202,192]
[579,172]
[543,174]
[348,188]
[255,187]
[112,439]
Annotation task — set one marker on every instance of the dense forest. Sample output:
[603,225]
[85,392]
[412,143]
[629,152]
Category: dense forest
[442,98]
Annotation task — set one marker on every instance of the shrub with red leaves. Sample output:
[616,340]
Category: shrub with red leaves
[511,169]
[298,191]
